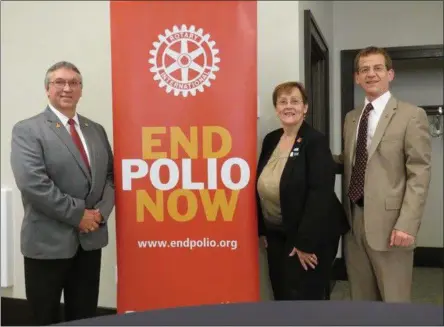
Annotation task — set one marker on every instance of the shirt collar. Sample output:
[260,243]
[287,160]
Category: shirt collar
[62,117]
[380,103]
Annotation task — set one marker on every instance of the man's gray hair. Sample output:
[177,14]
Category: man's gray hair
[57,66]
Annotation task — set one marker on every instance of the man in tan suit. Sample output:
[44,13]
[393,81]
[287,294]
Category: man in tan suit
[386,158]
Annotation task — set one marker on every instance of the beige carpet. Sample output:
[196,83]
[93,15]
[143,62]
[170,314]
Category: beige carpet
[427,286]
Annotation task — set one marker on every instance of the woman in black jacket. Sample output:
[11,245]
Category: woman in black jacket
[300,219]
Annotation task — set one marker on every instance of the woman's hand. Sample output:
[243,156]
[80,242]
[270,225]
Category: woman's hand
[306,259]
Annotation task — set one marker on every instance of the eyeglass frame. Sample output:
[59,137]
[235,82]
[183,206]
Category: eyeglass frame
[377,69]
[294,102]
[73,84]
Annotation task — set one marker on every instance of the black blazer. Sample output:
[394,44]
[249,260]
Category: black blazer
[312,215]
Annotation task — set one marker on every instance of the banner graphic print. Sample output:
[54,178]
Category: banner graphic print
[184,78]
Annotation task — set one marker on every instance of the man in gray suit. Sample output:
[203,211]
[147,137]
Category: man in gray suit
[63,166]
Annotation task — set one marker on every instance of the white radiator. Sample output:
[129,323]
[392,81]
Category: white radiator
[7,239]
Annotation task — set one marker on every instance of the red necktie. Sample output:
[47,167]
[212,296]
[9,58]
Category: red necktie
[356,190]
[76,139]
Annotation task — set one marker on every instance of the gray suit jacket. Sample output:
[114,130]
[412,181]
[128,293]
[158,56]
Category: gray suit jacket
[57,187]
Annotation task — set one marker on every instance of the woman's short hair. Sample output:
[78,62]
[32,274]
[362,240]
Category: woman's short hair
[287,87]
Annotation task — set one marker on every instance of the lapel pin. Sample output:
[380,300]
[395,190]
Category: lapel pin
[86,124]
[299,140]
[58,125]
[294,152]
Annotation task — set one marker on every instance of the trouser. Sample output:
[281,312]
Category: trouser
[376,275]
[288,278]
[77,277]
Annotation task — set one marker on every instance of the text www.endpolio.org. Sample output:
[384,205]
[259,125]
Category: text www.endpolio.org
[189,244]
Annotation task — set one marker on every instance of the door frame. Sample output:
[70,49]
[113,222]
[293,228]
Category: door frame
[312,30]
[424,257]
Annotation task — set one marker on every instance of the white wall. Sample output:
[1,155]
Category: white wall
[278,55]
[358,24]
[37,34]
[391,24]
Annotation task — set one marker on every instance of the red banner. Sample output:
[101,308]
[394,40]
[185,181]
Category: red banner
[184,80]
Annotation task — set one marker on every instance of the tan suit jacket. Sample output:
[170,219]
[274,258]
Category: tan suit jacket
[397,174]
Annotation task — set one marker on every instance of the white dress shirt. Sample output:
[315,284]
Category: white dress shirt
[373,118]
[65,120]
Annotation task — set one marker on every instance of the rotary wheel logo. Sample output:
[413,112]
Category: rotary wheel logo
[184,60]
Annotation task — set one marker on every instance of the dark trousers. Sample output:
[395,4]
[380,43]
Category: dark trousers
[78,277]
[289,280]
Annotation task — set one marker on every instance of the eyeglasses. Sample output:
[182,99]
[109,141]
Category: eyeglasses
[60,83]
[293,102]
[377,69]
